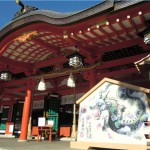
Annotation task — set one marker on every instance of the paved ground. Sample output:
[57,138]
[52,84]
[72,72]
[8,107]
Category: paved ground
[13,144]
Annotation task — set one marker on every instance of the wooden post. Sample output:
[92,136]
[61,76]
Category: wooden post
[25,116]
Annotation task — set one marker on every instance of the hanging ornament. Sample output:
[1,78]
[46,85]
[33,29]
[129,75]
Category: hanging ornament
[71,81]
[41,85]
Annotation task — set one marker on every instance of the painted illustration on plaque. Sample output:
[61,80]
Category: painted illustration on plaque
[113,112]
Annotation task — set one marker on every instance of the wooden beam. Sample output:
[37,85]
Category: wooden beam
[57,60]
[19,65]
[116,73]
[121,45]
[46,45]
[83,50]
[70,91]
[121,61]
[14,83]
[12,90]
[14,96]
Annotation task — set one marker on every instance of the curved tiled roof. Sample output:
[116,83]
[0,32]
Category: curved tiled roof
[57,18]
[52,14]
[83,13]
[78,15]
[125,3]
[47,50]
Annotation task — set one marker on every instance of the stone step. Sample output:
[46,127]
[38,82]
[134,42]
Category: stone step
[6,136]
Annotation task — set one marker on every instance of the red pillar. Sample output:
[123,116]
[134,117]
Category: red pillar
[92,78]
[90,75]
[25,116]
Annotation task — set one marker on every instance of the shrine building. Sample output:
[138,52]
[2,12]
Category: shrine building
[48,60]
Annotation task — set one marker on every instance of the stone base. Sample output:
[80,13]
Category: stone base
[22,140]
[115,146]
[65,139]
[7,136]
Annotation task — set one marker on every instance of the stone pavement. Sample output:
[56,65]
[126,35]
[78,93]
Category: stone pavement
[13,144]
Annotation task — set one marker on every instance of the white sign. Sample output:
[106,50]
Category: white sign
[11,127]
[50,122]
[41,121]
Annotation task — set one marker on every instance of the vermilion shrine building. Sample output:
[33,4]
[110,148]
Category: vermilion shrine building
[37,43]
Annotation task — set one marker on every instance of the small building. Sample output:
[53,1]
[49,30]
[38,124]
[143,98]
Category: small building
[113,115]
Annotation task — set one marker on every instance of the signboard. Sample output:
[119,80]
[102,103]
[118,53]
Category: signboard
[70,99]
[113,113]
[38,104]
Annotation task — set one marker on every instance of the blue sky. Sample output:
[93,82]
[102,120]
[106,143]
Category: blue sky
[9,7]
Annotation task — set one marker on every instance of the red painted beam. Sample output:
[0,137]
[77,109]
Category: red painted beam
[144,46]
[14,83]
[116,73]
[82,84]
[131,77]
[9,38]
[12,96]
[6,45]
[46,45]
[121,45]
[122,61]
[15,89]
[19,65]
[57,60]
[6,103]
[82,49]
[71,91]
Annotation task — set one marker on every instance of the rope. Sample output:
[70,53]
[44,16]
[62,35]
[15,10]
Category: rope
[66,72]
